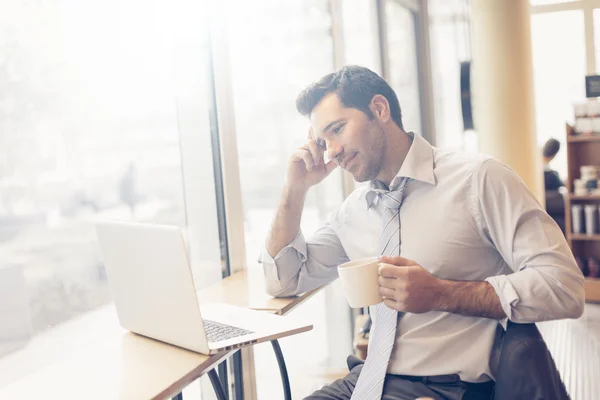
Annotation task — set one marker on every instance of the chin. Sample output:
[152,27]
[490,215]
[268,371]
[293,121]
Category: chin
[362,174]
[358,177]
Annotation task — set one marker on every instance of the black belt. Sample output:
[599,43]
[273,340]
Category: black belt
[436,379]
[444,380]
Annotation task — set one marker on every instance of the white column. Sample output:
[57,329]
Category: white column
[502,80]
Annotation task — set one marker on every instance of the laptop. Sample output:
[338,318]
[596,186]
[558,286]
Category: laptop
[154,293]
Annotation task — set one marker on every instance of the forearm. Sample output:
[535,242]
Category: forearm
[474,299]
[286,225]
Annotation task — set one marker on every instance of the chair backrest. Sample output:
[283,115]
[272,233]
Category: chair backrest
[525,368]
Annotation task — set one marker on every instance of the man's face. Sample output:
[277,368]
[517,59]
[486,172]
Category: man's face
[353,140]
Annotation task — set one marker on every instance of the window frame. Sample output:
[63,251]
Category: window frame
[588,7]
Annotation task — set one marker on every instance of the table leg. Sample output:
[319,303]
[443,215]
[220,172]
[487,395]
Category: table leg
[222,373]
[287,391]
[238,380]
[217,386]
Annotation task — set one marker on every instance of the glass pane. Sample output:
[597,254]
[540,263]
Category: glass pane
[449,41]
[559,68]
[276,49]
[544,2]
[268,126]
[361,44]
[89,129]
[402,55]
[597,38]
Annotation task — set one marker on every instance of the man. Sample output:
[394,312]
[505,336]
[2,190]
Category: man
[555,202]
[552,180]
[476,247]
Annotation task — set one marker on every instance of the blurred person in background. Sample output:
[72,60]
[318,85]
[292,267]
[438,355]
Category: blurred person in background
[555,202]
[552,179]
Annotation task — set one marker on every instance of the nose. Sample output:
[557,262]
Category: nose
[333,149]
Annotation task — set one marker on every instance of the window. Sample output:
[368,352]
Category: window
[402,57]
[361,36]
[276,49]
[597,35]
[103,115]
[449,38]
[546,2]
[559,68]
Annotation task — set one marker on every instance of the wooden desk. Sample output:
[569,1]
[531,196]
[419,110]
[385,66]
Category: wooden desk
[130,367]
[247,289]
[127,366]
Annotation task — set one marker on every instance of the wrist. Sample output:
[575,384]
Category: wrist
[294,191]
[444,296]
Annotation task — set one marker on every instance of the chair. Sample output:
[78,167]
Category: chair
[524,366]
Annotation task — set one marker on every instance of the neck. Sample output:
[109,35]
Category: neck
[397,146]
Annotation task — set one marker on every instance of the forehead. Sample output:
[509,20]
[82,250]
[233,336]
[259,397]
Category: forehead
[328,110]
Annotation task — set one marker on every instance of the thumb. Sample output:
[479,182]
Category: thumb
[330,166]
[397,260]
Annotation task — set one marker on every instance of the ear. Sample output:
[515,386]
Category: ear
[380,108]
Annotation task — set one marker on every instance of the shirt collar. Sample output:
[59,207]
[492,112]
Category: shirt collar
[417,165]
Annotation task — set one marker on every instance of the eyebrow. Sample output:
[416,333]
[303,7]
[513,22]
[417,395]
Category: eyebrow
[331,124]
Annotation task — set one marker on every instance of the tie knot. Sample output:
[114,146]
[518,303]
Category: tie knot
[391,200]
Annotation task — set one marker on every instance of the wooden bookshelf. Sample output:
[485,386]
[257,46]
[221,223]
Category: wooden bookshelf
[584,197]
[592,290]
[582,150]
[582,139]
[583,236]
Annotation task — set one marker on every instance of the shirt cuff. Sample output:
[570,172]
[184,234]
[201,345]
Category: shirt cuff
[506,293]
[298,244]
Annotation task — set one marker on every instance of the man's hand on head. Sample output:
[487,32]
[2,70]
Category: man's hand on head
[307,166]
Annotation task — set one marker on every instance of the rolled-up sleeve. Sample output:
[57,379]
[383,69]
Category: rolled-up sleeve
[303,265]
[546,282]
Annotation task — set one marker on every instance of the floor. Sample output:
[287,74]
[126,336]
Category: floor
[575,347]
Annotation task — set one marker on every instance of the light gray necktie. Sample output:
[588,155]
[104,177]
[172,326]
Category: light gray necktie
[383,334]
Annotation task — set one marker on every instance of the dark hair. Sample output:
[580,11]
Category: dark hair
[355,87]
[551,147]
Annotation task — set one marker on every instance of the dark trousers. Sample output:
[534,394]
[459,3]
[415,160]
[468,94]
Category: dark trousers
[402,388]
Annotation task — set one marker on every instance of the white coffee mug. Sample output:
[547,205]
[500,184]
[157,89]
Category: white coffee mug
[359,281]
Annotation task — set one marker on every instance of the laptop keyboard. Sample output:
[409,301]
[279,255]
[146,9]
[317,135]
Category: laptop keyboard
[216,331]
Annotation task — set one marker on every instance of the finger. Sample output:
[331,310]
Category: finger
[315,151]
[387,293]
[297,155]
[330,166]
[310,133]
[391,303]
[303,154]
[308,160]
[387,282]
[391,270]
[397,260]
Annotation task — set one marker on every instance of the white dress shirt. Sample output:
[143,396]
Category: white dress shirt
[465,217]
